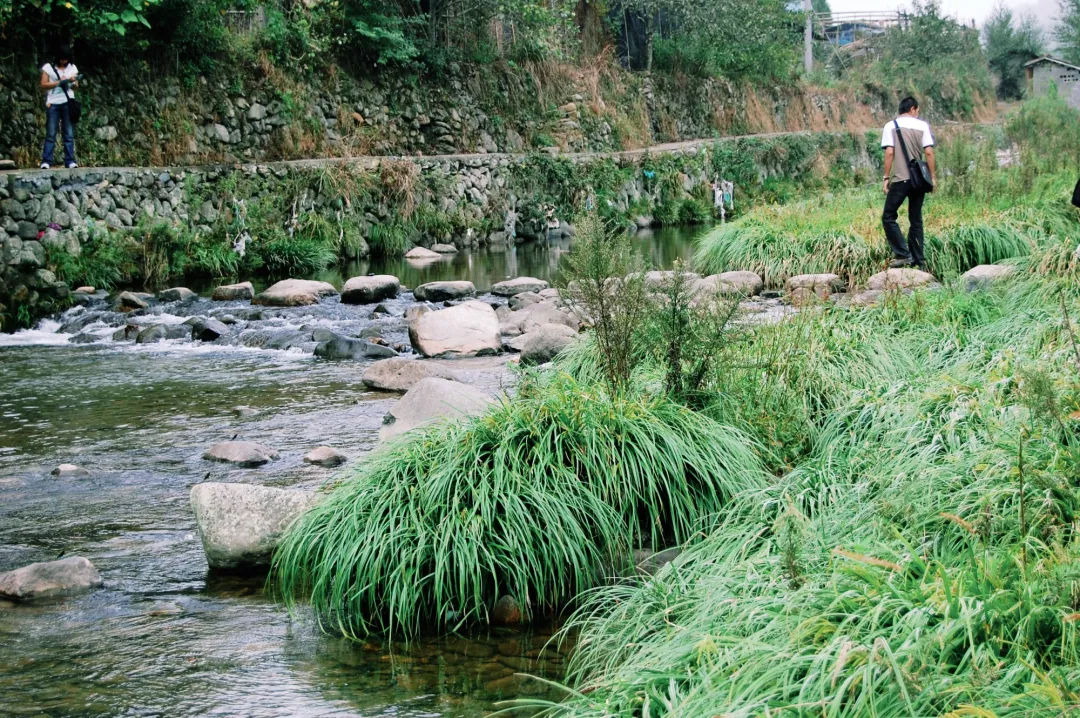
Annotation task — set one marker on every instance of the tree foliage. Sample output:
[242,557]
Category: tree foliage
[58,18]
[1010,44]
[1067,31]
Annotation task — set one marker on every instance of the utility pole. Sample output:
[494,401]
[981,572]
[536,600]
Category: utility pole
[808,50]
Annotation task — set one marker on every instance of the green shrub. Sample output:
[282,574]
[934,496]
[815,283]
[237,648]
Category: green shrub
[106,260]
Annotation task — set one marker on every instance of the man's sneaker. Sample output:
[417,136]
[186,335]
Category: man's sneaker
[45,166]
[71,165]
[901,263]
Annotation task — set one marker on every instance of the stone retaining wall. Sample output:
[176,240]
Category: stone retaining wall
[480,198]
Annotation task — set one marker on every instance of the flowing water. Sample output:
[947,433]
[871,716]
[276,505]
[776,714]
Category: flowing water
[164,637]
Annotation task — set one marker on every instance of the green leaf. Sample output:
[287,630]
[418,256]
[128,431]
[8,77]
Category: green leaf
[128,16]
[120,29]
[135,4]
[143,20]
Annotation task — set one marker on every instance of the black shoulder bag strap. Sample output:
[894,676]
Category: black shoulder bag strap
[74,108]
[919,178]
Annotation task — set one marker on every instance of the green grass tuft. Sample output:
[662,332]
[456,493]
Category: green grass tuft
[540,499]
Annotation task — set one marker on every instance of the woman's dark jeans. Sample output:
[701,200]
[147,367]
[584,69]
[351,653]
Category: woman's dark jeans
[58,117]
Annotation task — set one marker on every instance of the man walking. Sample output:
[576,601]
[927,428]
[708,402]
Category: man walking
[917,143]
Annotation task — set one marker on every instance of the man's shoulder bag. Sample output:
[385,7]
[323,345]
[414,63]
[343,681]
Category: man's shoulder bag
[74,106]
[918,170]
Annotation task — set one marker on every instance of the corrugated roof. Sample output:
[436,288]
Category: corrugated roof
[1056,61]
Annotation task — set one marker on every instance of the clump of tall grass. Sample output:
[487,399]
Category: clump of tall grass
[540,499]
[843,235]
[921,558]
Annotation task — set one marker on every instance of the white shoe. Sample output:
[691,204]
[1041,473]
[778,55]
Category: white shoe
[45,166]
[72,165]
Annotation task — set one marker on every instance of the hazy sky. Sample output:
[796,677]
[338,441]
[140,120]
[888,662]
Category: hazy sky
[966,10]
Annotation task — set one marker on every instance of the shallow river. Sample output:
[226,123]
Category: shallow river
[164,637]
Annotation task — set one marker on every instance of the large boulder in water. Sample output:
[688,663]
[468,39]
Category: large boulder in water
[402,374]
[339,347]
[207,330]
[368,290]
[240,524]
[176,294]
[241,453]
[892,279]
[443,291]
[421,253]
[543,344]
[430,400]
[325,456]
[64,577]
[229,292]
[516,286]
[294,293]
[469,329]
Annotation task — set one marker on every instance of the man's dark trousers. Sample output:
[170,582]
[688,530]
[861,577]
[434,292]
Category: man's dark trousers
[910,249]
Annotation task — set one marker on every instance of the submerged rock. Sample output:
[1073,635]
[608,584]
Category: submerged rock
[402,374]
[228,292]
[429,400]
[368,290]
[339,347]
[70,471]
[985,275]
[325,456]
[892,279]
[442,291]
[469,329]
[241,453]
[294,293]
[64,577]
[516,286]
[159,332]
[240,525]
[543,344]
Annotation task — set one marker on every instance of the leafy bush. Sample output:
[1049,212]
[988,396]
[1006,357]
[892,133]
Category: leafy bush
[106,260]
[539,500]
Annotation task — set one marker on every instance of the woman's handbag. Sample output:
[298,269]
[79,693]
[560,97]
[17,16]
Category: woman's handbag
[918,171]
[74,106]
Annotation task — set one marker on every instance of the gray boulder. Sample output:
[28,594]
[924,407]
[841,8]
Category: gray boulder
[469,329]
[430,400]
[443,291]
[893,279]
[64,577]
[176,294]
[743,284]
[520,301]
[985,275]
[421,253]
[516,286]
[444,249]
[402,374]
[339,347]
[240,524]
[241,453]
[127,301]
[229,292]
[325,456]
[543,344]
[368,290]
[294,293]
[207,330]
[535,316]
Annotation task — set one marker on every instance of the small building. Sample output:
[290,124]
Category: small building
[1044,72]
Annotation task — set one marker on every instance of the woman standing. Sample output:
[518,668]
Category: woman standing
[58,78]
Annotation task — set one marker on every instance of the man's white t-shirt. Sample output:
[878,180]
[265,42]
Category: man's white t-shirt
[917,137]
[57,96]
